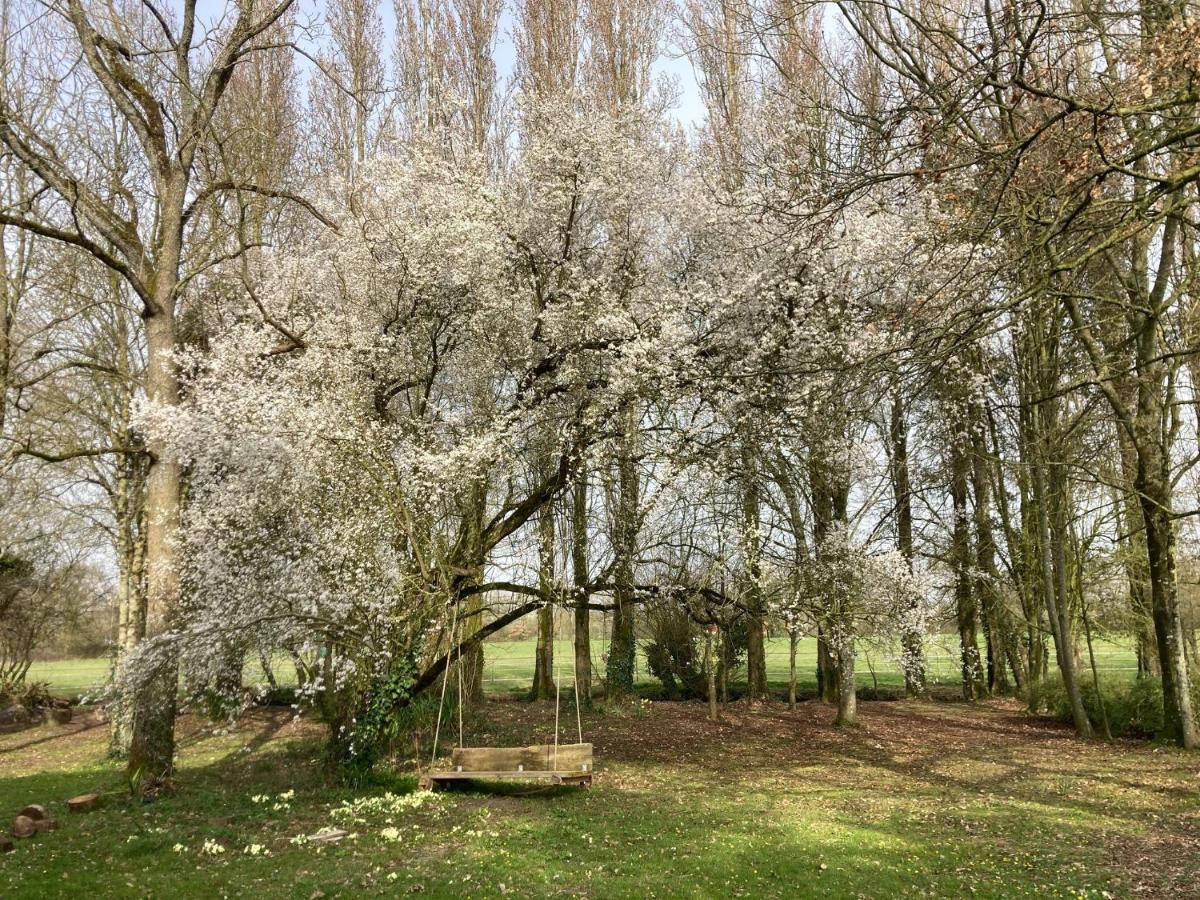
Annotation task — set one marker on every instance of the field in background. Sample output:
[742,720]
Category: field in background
[508,666]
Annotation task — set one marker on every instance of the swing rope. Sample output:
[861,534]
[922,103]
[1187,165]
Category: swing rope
[458,676]
[558,689]
[455,649]
[437,731]
[557,684]
[578,713]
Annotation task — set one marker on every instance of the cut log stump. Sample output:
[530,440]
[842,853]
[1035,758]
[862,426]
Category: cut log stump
[6,844]
[23,827]
[83,803]
[34,811]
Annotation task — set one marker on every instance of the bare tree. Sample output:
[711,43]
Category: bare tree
[165,77]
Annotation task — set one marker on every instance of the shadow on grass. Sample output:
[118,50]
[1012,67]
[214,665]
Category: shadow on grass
[483,787]
[67,732]
[768,803]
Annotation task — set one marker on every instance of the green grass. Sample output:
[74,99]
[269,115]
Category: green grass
[71,676]
[941,800]
[508,665]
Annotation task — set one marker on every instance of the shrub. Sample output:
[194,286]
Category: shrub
[31,695]
[1134,708]
[674,654]
[366,716]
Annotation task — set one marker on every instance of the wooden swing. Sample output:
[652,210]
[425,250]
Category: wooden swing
[543,763]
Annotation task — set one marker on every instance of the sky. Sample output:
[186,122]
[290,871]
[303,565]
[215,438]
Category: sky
[673,63]
[689,109]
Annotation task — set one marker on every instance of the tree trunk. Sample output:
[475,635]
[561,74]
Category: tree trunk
[1178,715]
[828,688]
[988,580]
[471,667]
[579,561]
[1019,664]
[543,673]
[960,551]
[623,647]
[543,670]
[911,639]
[1032,590]
[793,640]
[8,302]
[129,515]
[800,561]
[847,690]
[830,495]
[1060,626]
[756,657]
[1132,538]
[152,726]
[723,662]
[1150,425]
[711,636]
[1106,729]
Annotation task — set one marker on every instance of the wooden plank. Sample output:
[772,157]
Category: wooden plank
[539,757]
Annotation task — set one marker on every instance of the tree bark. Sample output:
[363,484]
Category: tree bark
[579,562]
[847,690]
[129,516]
[756,657]
[623,647]
[1178,715]
[1060,626]
[830,493]
[960,553]
[793,640]
[543,670]
[1132,542]
[711,636]
[988,580]
[911,640]
[1020,664]
[152,732]
[471,667]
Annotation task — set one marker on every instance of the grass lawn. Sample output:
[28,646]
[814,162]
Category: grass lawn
[72,677]
[924,799]
[508,665]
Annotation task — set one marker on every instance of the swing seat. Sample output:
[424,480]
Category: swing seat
[545,763]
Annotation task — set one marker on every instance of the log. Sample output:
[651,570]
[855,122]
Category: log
[33,811]
[328,836]
[6,844]
[47,824]
[15,714]
[83,803]
[23,827]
